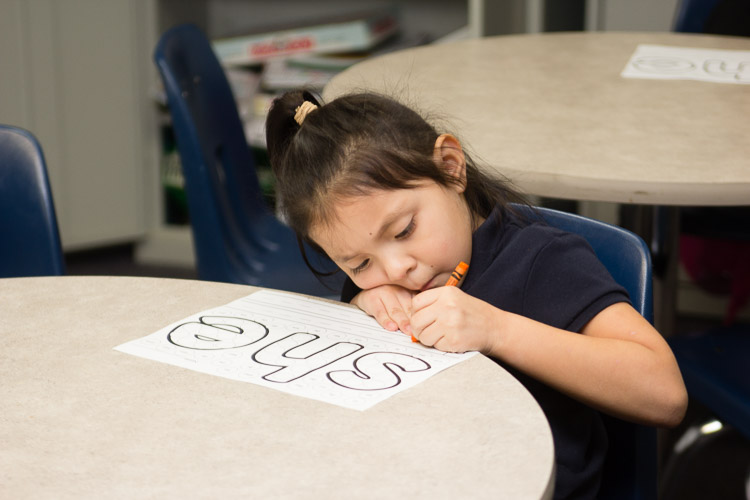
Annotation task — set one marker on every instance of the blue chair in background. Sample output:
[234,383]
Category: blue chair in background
[714,364]
[718,17]
[236,237]
[630,469]
[709,456]
[692,15]
[29,238]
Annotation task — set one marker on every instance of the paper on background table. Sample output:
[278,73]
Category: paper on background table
[298,345]
[681,63]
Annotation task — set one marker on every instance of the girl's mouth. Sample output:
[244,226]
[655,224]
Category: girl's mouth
[428,285]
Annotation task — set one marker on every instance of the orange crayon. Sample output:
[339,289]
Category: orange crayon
[455,278]
[457,274]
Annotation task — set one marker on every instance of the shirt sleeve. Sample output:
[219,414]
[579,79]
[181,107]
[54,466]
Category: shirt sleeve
[349,290]
[568,285]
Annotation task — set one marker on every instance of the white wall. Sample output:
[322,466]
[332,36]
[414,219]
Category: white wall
[631,15]
[231,17]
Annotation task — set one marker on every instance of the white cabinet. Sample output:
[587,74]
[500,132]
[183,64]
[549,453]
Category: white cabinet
[630,15]
[77,74]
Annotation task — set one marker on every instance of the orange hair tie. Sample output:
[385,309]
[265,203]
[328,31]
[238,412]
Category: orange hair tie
[303,110]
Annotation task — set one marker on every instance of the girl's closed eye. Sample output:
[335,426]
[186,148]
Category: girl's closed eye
[407,231]
[361,267]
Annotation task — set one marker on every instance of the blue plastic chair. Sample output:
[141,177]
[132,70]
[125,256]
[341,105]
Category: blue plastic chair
[717,430]
[691,15]
[237,238]
[714,365]
[630,468]
[718,17]
[30,241]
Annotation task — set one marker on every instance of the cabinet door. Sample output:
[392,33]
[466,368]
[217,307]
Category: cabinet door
[76,74]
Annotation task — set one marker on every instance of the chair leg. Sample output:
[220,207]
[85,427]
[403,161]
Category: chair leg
[708,459]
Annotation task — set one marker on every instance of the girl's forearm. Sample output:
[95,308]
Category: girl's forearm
[619,364]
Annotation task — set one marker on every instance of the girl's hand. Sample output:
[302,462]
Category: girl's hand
[390,305]
[452,321]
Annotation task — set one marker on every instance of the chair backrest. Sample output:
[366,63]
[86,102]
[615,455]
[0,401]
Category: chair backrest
[625,255]
[222,187]
[630,469]
[691,15]
[30,241]
[718,17]
[236,237]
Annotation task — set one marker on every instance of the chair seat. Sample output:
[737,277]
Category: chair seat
[714,365]
[276,262]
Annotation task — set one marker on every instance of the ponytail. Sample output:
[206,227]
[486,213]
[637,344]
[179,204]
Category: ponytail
[280,124]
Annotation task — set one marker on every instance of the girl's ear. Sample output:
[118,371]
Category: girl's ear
[449,154]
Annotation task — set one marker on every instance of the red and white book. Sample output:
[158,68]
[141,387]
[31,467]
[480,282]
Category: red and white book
[351,34]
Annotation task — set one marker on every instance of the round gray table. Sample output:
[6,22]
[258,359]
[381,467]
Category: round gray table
[552,113]
[81,420]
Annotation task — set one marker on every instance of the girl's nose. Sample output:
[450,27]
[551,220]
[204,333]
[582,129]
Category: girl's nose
[397,267]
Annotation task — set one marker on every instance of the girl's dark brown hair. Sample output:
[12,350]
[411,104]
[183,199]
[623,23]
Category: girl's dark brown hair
[354,145]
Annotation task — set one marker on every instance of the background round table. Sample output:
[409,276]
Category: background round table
[81,420]
[552,113]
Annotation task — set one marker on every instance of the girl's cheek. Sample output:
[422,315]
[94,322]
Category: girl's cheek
[360,280]
[367,279]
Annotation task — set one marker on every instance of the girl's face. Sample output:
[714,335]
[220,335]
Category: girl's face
[412,238]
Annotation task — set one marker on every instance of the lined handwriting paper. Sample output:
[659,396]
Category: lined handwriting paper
[682,63]
[298,345]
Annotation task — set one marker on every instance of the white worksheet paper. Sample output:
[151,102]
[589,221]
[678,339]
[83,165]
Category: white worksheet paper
[681,63]
[299,345]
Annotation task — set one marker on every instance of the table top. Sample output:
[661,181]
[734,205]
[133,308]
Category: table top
[552,113]
[79,419]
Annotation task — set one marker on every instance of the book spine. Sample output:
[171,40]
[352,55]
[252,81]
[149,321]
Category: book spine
[357,35]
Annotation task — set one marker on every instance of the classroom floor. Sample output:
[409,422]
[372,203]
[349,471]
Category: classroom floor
[717,468]
[120,261]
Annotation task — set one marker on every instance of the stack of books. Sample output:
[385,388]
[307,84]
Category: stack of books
[260,66]
[359,33]
[304,57]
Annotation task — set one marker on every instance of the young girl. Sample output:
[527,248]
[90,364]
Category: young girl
[397,205]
